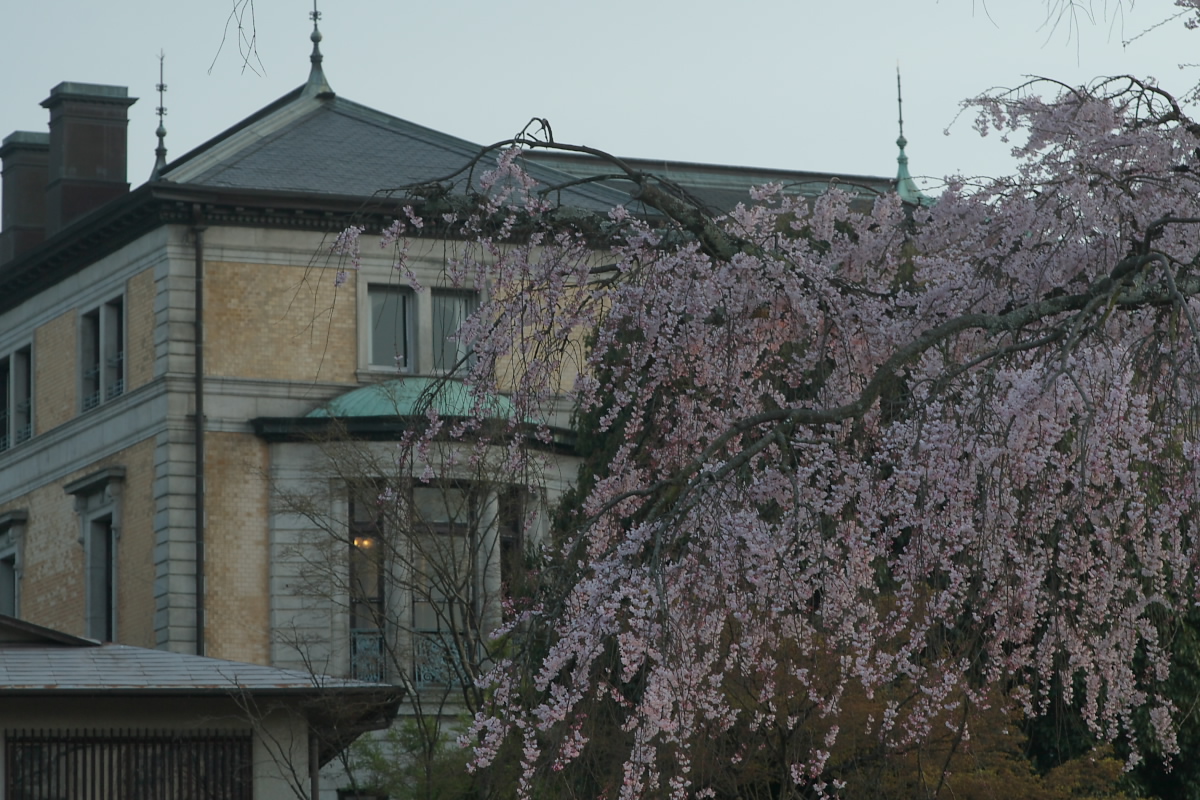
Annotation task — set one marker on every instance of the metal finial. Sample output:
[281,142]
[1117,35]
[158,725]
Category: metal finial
[317,85]
[160,152]
[906,187]
[315,36]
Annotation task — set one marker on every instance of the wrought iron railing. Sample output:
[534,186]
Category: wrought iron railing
[432,663]
[367,661]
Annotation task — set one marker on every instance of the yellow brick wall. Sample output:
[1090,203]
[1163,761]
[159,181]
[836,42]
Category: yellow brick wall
[237,548]
[139,330]
[135,551]
[54,380]
[572,351]
[277,322]
[52,582]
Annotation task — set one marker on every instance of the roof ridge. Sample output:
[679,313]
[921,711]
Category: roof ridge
[370,116]
[237,127]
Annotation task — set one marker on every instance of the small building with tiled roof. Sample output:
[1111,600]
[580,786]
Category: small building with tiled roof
[76,712]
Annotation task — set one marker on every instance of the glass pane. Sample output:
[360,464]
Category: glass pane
[90,359]
[450,311]
[114,349]
[21,407]
[365,504]
[100,580]
[389,326]
[8,585]
[364,569]
[7,401]
[440,505]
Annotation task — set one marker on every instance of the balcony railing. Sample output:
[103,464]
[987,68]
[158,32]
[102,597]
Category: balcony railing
[432,663]
[366,655]
[431,652]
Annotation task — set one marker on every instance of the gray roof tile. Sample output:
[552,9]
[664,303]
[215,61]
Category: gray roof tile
[338,147]
[54,668]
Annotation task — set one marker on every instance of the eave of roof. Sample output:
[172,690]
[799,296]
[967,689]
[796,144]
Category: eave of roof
[152,205]
[716,187]
[413,396]
[107,668]
[380,429]
[20,632]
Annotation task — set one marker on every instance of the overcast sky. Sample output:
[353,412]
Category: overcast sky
[796,84]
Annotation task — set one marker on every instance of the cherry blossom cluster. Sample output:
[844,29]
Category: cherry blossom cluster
[924,456]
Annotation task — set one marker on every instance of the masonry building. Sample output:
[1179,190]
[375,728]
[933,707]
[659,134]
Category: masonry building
[161,347]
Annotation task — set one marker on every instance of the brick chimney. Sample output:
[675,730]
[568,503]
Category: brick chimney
[87,150]
[25,156]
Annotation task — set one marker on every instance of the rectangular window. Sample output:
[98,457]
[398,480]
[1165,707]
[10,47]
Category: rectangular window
[367,655]
[98,502]
[12,533]
[8,584]
[102,353]
[16,398]
[22,395]
[391,327]
[101,579]
[444,580]
[6,404]
[450,311]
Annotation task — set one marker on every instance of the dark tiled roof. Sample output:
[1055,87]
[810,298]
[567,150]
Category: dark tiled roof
[57,669]
[717,188]
[38,661]
[334,146]
[34,658]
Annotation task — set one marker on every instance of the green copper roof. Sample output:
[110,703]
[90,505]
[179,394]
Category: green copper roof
[412,397]
[906,187]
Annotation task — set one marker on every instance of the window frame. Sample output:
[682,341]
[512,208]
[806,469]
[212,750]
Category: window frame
[368,636]
[428,641]
[12,541]
[98,504]
[16,397]
[100,576]
[440,338]
[447,554]
[102,362]
[409,330]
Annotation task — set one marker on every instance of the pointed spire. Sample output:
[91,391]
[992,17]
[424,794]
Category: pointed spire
[160,152]
[906,187]
[317,85]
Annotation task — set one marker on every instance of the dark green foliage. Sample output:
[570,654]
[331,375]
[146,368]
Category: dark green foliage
[407,763]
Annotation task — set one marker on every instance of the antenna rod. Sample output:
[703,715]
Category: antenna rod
[160,152]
